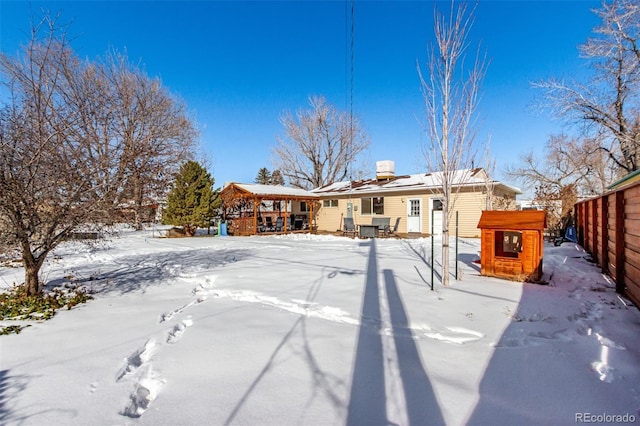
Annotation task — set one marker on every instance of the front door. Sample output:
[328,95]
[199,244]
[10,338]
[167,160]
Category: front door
[414,215]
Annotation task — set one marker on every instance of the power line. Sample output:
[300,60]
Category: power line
[349,74]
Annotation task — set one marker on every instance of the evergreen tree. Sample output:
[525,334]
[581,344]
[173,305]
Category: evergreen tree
[191,200]
[263,177]
[277,178]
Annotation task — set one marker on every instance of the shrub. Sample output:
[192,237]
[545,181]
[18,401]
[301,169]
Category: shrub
[15,304]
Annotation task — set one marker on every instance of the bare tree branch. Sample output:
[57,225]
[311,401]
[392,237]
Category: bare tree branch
[608,106]
[320,146]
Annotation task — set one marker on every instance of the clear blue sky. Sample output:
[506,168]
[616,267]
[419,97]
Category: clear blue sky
[239,65]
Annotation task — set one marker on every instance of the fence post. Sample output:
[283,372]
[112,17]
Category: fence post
[619,253]
[594,229]
[580,223]
[604,233]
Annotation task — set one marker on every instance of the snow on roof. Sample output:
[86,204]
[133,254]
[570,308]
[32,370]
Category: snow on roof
[275,190]
[428,181]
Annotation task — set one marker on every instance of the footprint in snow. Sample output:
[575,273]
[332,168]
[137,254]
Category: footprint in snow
[205,287]
[137,359]
[167,316]
[175,334]
[145,392]
[537,338]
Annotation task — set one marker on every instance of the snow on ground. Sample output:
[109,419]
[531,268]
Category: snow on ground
[318,330]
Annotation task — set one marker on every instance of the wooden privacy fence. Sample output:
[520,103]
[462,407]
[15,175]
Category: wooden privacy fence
[609,228]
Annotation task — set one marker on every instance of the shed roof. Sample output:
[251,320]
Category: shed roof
[423,181]
[525,219]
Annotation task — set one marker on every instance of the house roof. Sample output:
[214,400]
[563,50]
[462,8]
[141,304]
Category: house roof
[520,220]
[275,192]
[424,181]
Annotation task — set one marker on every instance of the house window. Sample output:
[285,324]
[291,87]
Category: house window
[508,243]
[303,206]
[329,203]
[373,205]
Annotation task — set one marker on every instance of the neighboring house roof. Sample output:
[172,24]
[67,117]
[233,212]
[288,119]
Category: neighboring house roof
[271,191]
[427,182]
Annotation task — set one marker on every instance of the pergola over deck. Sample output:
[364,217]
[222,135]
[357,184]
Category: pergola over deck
[245,200]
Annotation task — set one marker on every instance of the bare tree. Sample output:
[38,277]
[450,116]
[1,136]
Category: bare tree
[156,132]
[567,161]
[320,145]
[48,185]
[607,107]
[489,184]
[64,162]
[570,168]
[451,94]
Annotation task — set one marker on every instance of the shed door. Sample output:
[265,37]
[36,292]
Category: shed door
[414,215]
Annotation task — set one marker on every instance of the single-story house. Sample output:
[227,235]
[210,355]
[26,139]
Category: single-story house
[412,198]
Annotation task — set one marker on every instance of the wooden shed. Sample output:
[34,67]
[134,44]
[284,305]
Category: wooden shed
[512,244]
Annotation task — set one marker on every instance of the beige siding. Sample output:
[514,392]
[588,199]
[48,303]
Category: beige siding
[394,207]
[330,218]
[468,204]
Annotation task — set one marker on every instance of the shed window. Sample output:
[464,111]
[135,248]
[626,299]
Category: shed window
[508,243]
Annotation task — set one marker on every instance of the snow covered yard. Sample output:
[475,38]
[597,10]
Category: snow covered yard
[317,330]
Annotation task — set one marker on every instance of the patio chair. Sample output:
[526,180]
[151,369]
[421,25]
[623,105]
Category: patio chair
[269,224]
[388,231]
[349,227]
[279,224]
[382,223]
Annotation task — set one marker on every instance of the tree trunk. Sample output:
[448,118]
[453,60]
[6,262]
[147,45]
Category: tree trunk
[445,240]
[138,200]
[189,230]
[32,284]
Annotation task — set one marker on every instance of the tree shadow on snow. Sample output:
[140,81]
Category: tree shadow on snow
[10,387]
[420,253]
[368,399]
[469,260]
[139,272]
[323,382]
